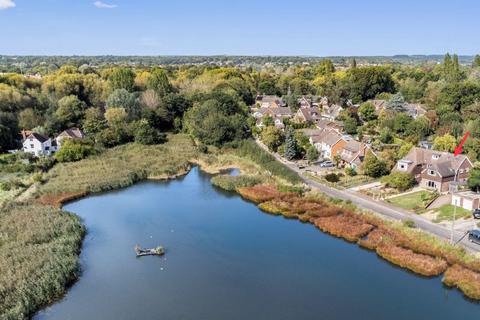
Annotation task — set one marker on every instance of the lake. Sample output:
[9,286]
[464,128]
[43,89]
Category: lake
[225,259]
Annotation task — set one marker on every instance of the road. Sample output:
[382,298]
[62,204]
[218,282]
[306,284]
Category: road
[379,207]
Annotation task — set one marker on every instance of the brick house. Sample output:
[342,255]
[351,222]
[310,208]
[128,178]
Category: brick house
[435,169]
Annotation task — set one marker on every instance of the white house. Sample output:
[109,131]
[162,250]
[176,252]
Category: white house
[39,145]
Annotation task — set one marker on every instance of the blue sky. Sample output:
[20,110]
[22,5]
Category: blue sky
[246,27]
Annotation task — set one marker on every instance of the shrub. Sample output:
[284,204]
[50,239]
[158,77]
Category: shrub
[399,180]
[409,223]
[350,172]
[73,150]
[145,134]
[332,177]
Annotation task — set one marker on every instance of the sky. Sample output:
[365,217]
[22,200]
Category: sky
[243,27]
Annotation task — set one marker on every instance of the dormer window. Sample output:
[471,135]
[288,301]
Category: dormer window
[431,172]
[435,156]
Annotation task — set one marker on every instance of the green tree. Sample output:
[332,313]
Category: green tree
[396,103]
[373,167]
[362,84]
[445,143]
[116,117]
[121,98]
[420,127]
[267,121]
[272,137]
[474,179]
[145,134]
[350,125]
[367,111]
[73,150]
[158,81]
[476,61]
[8,131]
[28,119]
[94,121]
[386,136]
[122,78]
[291,147]
[312,154]
[70,111]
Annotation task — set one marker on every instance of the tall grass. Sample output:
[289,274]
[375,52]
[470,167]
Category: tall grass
[39,249]
[250,150]
[121,166]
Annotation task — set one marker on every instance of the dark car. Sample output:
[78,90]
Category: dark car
[476,214]
[474,236]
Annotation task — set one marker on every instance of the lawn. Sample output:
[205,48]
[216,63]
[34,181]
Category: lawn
[445,213]
[413,201]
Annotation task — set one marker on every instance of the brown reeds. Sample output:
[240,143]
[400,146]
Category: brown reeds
[464,279]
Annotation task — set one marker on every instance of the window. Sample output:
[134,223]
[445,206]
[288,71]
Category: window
[431,184]
[47,148]
[31,146]
[431,172]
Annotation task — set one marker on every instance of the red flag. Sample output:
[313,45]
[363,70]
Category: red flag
[459,149]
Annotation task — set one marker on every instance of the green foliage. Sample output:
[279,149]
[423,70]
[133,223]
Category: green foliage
[272,137]
[312,153]
[445,143]
[332,177]
[291,147]
[250,150]
[366,82]
[396,103]
[145,134]
[386,136]
[367,111]
[399,180]
[158,81]
[351,172]
[121,98]
[122,78]
[374,167]
[73,150]
[94,121]
[232,183]
[70,111]
[350,125]
[474,179]
[218,120]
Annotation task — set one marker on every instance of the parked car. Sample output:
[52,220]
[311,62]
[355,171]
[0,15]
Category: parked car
[476,214]
[327,164]
[474,236]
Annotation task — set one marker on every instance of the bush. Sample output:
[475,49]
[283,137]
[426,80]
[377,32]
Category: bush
[73,150]
[332,177]
[409,223]
[232,183]
[145,134]
[350,172]
[399,180]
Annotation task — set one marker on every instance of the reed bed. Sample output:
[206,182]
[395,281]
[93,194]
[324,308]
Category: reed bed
[121,166]
[39,249]
[464,279]
[419,263]
[408,248]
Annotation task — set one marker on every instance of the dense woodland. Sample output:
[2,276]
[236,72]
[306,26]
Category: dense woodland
[119,104]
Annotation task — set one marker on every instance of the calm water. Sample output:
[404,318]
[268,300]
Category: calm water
[227,260]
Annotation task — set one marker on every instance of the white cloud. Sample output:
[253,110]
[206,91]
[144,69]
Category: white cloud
[6,4]
[102,5]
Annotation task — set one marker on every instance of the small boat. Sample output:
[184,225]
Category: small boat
[158,251]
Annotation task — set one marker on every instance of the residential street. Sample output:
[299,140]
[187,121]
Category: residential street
[379,207]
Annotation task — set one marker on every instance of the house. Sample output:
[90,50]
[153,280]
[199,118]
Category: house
[331,112]
[311,102]
[277,114]
[307,115]
[415,110]
[353,153]
[269,101]
[72,133]
[39,145]
[329,143]
[435,169]
[325,124]
[467,200]
[425,144]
